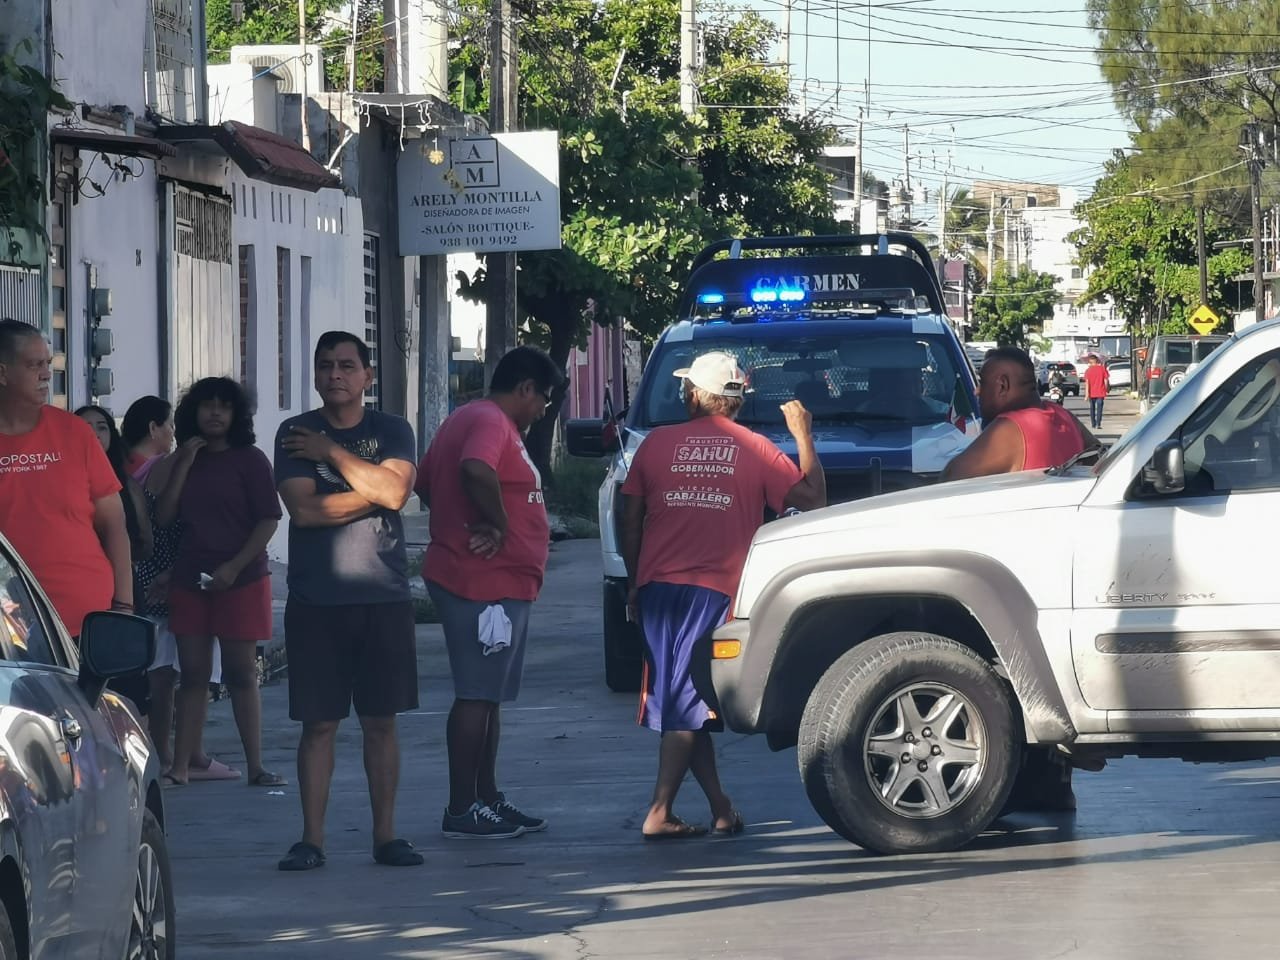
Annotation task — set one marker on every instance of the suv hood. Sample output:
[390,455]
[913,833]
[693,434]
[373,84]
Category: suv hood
[909,448]
[927,508]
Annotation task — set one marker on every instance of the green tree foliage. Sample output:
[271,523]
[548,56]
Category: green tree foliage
[1188,74]
[1013,305]
[1141,252]
[966,229]
[644,187]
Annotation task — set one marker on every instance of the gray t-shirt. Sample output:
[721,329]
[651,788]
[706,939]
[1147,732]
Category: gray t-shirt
[362,561]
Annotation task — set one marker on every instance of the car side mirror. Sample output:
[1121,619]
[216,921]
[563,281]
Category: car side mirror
[591,438]
[1165,472]
[114,645]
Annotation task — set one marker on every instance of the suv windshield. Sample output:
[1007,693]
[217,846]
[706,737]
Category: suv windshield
[908,378]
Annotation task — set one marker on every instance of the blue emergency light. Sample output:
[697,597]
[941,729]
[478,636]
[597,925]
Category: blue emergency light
[711,298]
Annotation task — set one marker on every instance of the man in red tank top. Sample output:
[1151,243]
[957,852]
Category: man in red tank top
[1019,431]
[1022,433]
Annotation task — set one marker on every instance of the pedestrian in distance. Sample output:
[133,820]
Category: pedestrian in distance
[693,498]
[1097,380]
[483,570]
[344,472]
[219,485]
[1021,432]
[60,502]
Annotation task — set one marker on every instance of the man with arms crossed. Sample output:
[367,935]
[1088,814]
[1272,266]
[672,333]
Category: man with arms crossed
[59,498]
[344,472]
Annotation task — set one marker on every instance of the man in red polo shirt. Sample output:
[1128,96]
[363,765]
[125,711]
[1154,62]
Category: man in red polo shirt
[483,570]
[59,498]
[1097,381]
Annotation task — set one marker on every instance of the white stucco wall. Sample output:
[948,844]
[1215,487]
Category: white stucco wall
[115,235]
[326,227]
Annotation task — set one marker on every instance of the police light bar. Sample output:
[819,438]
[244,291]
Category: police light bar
[711,298]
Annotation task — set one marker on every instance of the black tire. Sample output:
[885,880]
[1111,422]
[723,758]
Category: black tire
[1075,391]
[156,937]
[623,646]
[8,941]
[842,715]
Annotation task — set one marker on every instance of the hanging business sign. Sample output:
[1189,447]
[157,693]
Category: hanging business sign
[493,194]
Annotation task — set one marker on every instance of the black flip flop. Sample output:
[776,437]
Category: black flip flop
[736,826]
[302,856]
[397,853]
[685,831]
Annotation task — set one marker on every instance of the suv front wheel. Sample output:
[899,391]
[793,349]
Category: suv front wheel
[907,744]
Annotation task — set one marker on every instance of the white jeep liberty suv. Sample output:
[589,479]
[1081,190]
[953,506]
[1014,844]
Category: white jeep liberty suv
[916,646]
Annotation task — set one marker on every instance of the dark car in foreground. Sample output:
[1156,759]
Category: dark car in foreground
[853,327]
[84,870]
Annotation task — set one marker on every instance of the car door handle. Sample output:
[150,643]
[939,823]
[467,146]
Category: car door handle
[70,729]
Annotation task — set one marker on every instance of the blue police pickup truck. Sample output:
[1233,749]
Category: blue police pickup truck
[852,326]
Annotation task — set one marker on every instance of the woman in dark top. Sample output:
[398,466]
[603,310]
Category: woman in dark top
[220,487]
[136,522]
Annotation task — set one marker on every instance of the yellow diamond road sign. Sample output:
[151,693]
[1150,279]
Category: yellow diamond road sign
[1203,319]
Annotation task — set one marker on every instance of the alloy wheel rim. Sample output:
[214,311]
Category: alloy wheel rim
[149,930]
[925,750]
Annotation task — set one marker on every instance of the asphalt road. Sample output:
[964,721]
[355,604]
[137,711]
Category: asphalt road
[1163,859]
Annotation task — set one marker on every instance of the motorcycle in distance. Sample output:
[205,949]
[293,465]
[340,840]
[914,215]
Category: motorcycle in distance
[1055,392]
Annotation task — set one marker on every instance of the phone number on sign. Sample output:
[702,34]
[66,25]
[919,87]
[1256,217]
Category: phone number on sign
[477,243]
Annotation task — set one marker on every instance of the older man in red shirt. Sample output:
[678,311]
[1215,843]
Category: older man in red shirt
[694,496]
[59,498]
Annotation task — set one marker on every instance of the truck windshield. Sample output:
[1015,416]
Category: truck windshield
[911,379]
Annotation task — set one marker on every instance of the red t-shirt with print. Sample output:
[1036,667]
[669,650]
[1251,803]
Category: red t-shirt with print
[49,480]
[481,431]
[705,485]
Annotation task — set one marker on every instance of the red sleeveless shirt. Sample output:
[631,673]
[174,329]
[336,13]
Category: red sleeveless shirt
[1050,435]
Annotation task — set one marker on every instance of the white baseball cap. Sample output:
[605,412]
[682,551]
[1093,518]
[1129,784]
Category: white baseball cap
[716,373]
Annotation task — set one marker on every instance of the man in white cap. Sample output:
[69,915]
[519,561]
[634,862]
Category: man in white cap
[693,498]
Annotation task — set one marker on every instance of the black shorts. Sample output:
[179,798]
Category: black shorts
[361,654]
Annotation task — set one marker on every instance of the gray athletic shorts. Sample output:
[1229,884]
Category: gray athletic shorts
[496,677]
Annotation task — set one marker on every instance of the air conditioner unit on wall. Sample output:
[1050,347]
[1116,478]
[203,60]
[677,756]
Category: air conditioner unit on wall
[287,61]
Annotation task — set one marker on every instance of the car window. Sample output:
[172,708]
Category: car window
[23,635]
[1177,351]
[909,378]
[1206,347]
[1233,441]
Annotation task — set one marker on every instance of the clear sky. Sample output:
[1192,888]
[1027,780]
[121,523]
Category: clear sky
[998,89]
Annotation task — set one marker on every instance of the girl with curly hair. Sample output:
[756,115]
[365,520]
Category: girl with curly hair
[220,487]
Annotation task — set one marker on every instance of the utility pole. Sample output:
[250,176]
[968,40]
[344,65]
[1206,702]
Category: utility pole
[857,179]
[1202,257]
[786,39]
[688,57]
[302,44]
[991,239]
[351,47]
[1252,141]
[906,174]
[942,229]
[500,319]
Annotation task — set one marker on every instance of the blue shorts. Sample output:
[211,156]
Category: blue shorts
[674,619]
